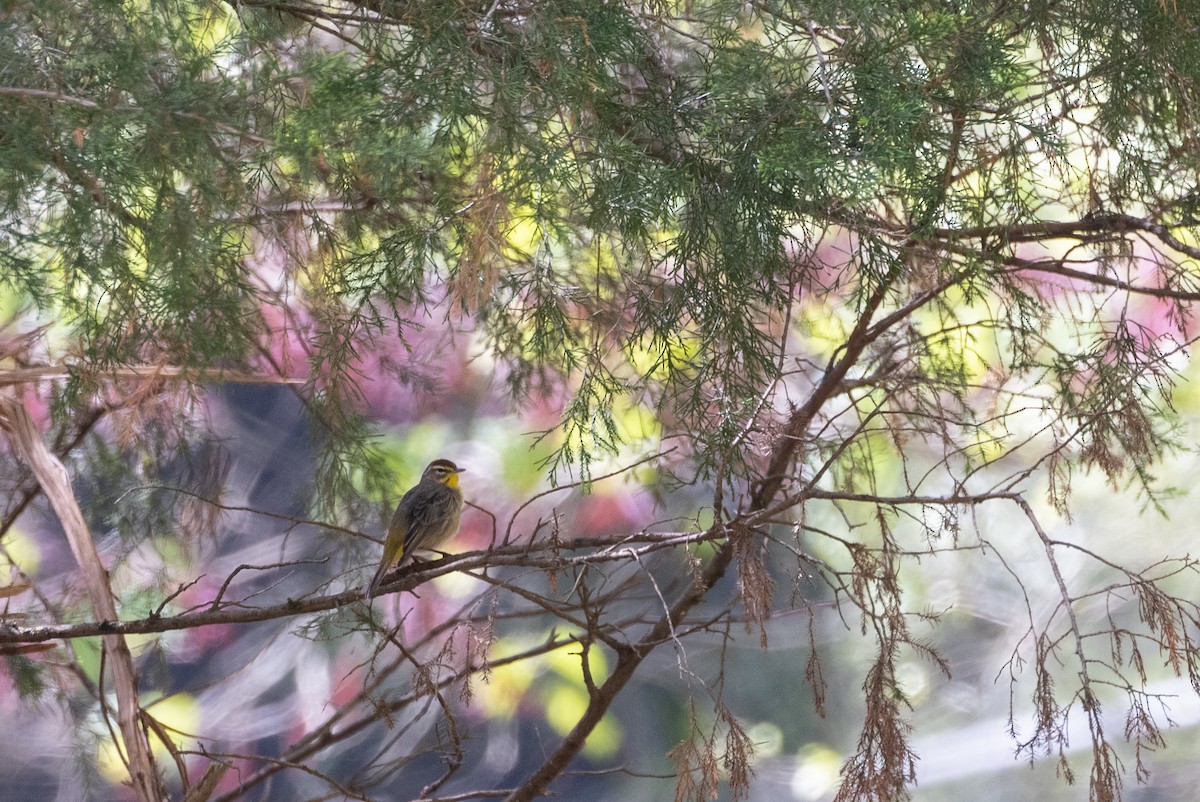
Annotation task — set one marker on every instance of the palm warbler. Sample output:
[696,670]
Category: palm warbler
[426,517]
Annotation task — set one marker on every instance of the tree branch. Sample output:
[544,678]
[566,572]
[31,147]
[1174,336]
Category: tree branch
[408,578]
[1104,223]
[56,484]
[17,376]
[783,454]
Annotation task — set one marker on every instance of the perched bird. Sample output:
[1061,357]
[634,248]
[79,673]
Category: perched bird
[426,517]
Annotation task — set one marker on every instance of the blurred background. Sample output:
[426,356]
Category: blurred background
[253,692]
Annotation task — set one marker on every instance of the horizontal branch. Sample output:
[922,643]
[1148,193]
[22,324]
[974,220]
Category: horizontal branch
[900,501]
[1070,229]
[48,94]
[1056,268]
[31,93]
[16,376]
[605,550]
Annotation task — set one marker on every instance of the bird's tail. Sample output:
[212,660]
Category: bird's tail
[377,580]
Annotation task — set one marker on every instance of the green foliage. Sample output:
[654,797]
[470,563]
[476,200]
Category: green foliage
[870,256]
[169,142]
[28,677]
